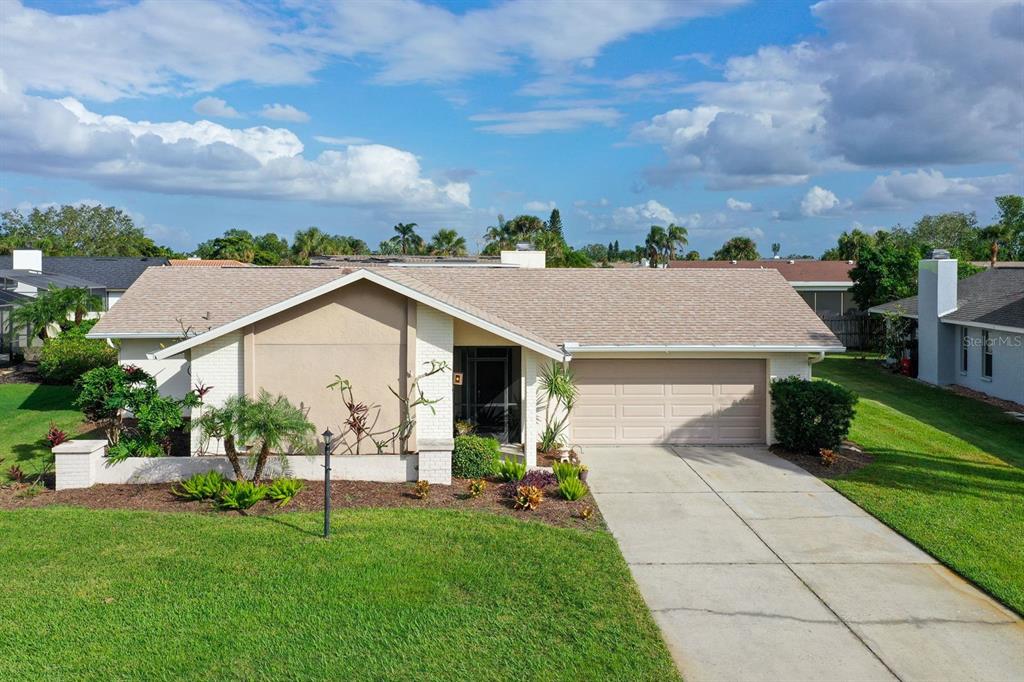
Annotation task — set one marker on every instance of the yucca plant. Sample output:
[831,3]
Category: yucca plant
[510,470]
[200,486]
[284,490]
[572,489]
[558,390]
[240,495]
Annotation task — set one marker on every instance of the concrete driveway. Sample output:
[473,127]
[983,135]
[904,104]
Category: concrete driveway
[756,570]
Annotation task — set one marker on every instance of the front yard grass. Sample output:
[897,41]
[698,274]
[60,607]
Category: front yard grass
[26,411]
[394,594]
[948,473]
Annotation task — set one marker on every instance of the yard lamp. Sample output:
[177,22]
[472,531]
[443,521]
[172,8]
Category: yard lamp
[327,481]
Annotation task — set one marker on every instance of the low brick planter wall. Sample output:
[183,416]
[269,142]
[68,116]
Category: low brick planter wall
[81,464]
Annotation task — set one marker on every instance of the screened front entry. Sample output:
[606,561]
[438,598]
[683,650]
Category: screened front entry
[487,390]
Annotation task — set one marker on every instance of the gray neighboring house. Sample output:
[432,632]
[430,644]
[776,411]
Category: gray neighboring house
[969,332]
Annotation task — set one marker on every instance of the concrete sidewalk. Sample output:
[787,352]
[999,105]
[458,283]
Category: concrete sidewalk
[756,570]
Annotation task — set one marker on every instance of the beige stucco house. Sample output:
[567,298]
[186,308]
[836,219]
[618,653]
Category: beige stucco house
[677,356]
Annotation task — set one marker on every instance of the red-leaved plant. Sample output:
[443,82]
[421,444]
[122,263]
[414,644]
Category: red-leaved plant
[55,436]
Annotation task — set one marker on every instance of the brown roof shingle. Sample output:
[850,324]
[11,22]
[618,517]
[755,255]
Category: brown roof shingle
[793,271]
[599,307]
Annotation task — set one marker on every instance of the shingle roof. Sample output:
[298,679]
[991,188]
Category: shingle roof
[206,262]
[794,271]
[991,297]
[607,306]
[117,273]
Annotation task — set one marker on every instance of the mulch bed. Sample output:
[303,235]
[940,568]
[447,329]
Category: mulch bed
[19,374]
[553,510]
[1004,405]
[850,458]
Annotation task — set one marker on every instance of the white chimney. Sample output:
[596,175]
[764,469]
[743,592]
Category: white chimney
[936,296]
[525,259]
[27,259]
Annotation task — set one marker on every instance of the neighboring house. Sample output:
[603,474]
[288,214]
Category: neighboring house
[682,356]
[523,257]
[206,262]
[111,274]
[969,332]
[823,284]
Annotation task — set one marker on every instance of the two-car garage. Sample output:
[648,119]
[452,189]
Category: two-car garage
[694,401]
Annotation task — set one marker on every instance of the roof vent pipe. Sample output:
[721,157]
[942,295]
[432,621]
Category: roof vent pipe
[524,246]
[792,262]
[939,254]
[733,262]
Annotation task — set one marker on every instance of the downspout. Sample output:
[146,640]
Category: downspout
[817,357]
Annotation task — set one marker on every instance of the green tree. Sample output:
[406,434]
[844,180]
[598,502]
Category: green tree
[776,247]
[234,244]
[884,272]
[271,250]
[1007,234]
[55,307]
[388,247]
[81,230]
[408,241]
[597,252]
[677,238]
[447,242]
[738,248]
[850,246]
[656,244]
[310,242]
[692,255]
[77,301]
[958,232]
[555,222]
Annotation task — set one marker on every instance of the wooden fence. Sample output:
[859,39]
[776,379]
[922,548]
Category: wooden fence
[857,330]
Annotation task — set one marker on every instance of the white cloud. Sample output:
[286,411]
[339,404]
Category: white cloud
[149,48]
[901,189]
[545,120]
[215,107]
[340,141]
[539,206]
[63,137]
[651,211]
[887,84]
[284,112]
[818,201]
[737,205]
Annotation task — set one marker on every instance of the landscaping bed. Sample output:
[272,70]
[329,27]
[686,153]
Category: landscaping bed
[849,458]
[344,495]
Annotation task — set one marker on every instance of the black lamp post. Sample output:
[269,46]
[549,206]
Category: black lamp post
[327,481]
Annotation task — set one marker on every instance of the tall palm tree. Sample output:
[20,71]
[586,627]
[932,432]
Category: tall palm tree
[995,235]
[677,238]
[406,238]
[79,301]
[310,242]
[447,243]
[656,243]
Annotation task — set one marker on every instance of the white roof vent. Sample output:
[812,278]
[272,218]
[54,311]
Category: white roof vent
[849,262]
[524,246]
[733,262]
[792,262]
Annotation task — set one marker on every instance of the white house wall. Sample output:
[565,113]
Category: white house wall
[172,378]
[434,342]
[218,364]
[1007,380]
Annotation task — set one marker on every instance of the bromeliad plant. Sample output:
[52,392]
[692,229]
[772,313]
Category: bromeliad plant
[264,425]
[559,392]
[361,422]
[510,470]
[572,489]
[283,490]
[201,486]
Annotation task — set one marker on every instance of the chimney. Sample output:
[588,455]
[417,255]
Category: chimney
[27,259]
[523,257]
[936,296]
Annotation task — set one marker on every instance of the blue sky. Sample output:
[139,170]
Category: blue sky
[783,121]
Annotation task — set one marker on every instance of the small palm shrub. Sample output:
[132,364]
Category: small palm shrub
[205,486]
[240,495]
[528,497]
[565,470]
[474,456]
[476,487]
[421,490]
[283,490]
[510,470]
[811,415]
[572,489]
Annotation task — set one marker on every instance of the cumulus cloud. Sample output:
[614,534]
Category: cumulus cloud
[539,206]
[215,107]
[340,141]
[63,137]
[818,201]
[901,189]
[149,48]
[545,120]
[284,112]
[737,205]
[888,84]
[648,212]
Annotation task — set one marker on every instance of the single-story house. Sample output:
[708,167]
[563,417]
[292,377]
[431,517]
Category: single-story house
[823,284]
[680,356]
[969,332]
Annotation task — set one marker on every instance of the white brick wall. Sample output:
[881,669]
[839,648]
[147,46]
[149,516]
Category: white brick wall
[76,463]
[434,341]
[530,417]
[218,364]
[435,466]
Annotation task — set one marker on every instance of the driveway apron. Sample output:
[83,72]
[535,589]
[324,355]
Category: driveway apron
[756,570]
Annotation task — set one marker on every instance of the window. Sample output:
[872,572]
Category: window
[965,345]
[986,355]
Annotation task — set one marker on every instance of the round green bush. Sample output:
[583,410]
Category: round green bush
[811,415]
[474,456]
[69,356]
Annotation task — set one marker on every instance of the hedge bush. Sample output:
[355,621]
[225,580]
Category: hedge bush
[474,456]
[69,356]
[810,415]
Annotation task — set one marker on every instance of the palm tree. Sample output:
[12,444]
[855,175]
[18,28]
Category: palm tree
[656,243]
[677,238]
[995,235]
[37,315]
[79,301]
[776,247]
[406,238]
[447,243]
[310,242]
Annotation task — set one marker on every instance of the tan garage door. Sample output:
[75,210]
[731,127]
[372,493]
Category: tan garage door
[669,401]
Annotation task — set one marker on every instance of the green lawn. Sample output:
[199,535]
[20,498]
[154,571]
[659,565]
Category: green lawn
[395,594]
[948,473]
[26,411]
